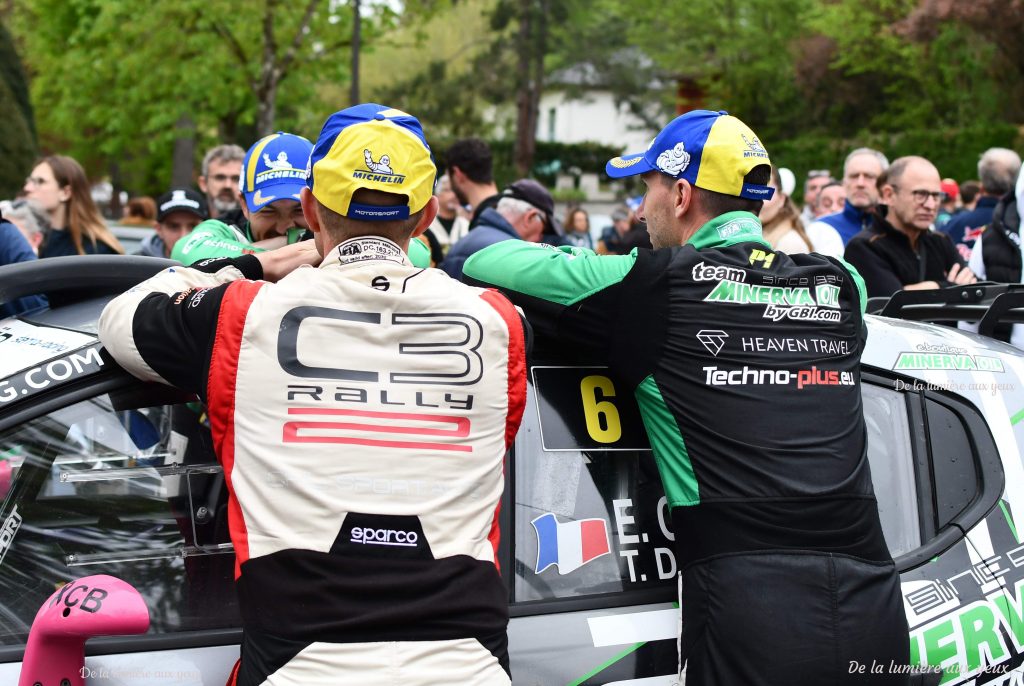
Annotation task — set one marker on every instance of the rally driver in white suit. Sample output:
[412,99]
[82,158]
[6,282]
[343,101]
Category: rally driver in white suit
[361,411]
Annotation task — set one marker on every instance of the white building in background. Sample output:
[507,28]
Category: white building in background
[592,116]
[566,115]
[577,107]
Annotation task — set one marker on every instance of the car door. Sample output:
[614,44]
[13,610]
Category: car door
[119,477]
[593,589]
[939,479]
[592,596]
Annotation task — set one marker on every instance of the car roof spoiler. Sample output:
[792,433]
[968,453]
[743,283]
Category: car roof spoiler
[65,280]
[986,302]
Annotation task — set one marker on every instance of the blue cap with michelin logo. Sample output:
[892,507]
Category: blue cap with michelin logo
[372,147]
[274,169]
[711,150]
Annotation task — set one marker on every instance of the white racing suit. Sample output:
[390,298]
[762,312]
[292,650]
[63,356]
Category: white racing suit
[361,411]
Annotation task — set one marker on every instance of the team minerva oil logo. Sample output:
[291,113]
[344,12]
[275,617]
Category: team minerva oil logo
[782,302]
[957,361]
[938,356]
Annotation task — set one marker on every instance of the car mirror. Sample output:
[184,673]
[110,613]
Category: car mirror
[97,605]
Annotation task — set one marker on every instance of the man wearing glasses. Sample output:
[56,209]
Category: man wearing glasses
[899,250]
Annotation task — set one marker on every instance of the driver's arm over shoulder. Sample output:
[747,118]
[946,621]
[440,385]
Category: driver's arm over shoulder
[163,329]
[563,275]
[553,285]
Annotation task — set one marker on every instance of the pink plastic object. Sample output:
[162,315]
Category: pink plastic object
[97,605]
[6,474]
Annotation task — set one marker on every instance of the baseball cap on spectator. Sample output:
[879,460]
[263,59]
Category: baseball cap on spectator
[181,200]
[373,147]
[711,150]
[634,203]
[950,188]
[274,169]
[532,192]
[819,173]
[619,215]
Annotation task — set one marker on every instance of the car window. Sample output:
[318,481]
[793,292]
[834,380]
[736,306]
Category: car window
[590,513]
[117,485]
[953,463]
[892,467]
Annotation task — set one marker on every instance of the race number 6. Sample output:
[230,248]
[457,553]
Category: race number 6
[602,417]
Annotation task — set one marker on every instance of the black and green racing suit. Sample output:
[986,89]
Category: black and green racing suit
[745,365]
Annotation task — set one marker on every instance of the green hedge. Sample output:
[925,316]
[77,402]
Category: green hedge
[954,151]
[17,130]
[16,149]
[549,159]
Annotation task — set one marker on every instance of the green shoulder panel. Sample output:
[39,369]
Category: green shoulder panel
[419,253]
[729,229]
[563,275]
[212,238]
[668,446]
[859,280]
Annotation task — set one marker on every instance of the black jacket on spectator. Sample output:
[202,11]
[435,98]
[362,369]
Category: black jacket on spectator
[488,203]
[636,237]
[1000,250]
[883,256]
[58,243]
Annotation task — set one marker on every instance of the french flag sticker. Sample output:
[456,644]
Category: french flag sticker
[569,545]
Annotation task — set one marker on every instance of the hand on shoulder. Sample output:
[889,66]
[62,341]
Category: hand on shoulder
[282,261]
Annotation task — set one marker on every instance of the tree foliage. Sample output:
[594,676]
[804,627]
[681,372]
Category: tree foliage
[881,78]
[446,77]
[112,83]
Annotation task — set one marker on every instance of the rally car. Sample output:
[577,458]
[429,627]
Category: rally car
[103,474]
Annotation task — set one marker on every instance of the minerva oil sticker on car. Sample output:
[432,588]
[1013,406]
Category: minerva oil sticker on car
[965,608]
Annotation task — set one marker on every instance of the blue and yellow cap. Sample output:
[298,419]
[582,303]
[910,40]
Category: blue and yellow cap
[375,147]
[711,150]
[274,169]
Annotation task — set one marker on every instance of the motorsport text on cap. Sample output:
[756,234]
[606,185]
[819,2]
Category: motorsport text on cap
[711,150]
[274,169]
[374,147]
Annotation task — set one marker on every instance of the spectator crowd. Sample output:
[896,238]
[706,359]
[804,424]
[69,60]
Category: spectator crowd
[900,223]
[366,205]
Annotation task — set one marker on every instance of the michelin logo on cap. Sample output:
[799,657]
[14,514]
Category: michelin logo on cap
[674,161]
[380,172]
[371,146]
[382,167]
[280,163]
[754,148]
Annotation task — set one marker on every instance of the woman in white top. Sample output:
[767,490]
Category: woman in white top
[450,224]
[781,221]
